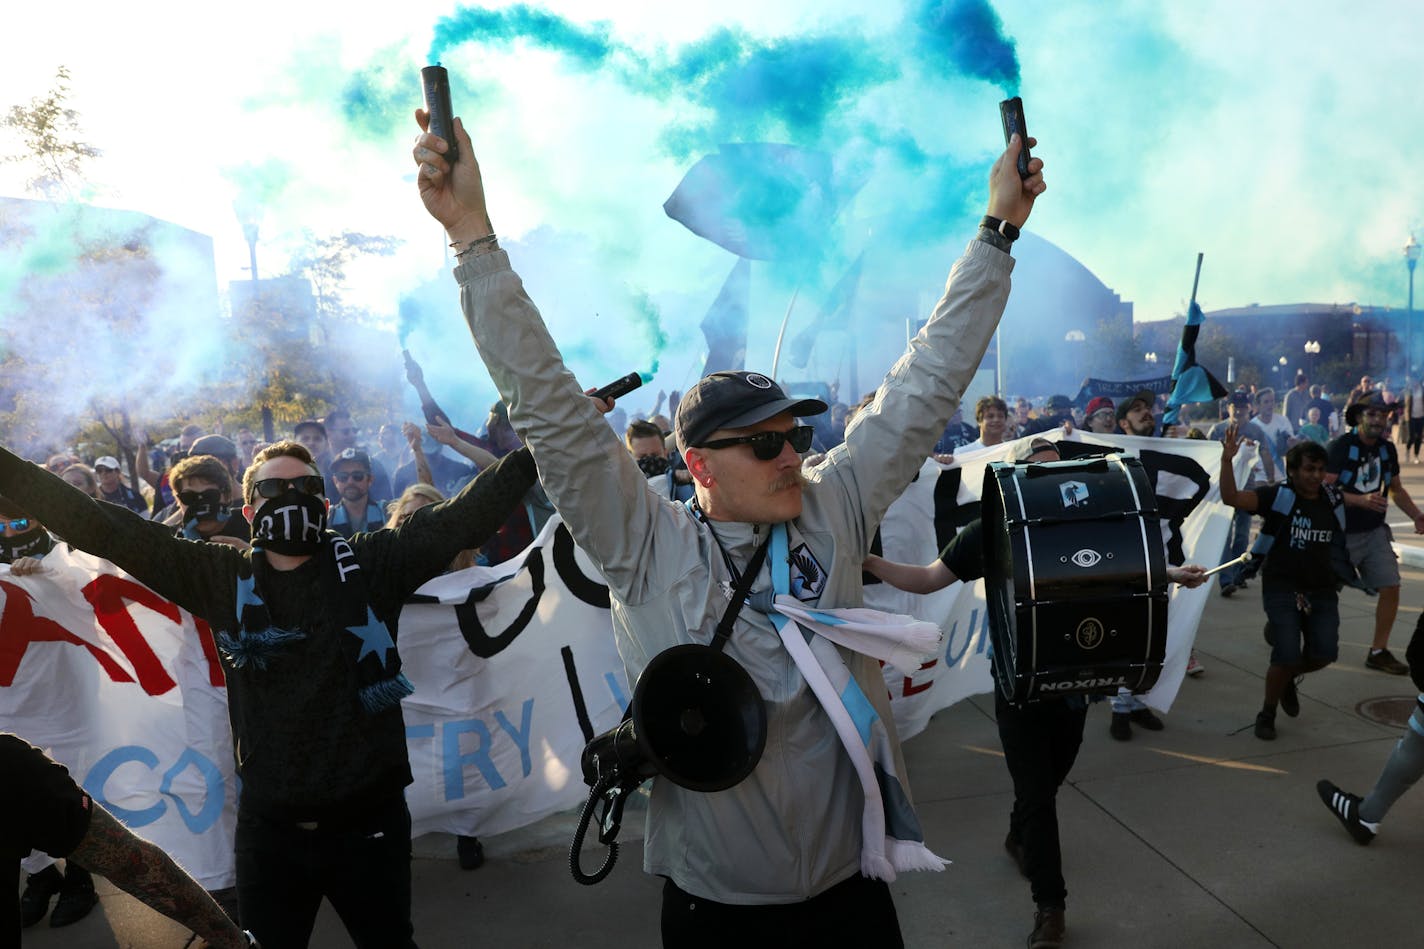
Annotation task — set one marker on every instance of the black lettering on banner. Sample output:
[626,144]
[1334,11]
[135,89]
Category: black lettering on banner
[592,592]
[467,615]
[949,515]
[576,693]
[1175,510]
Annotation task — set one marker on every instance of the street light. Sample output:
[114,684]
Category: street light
[1411,257]
[1312,349]
[249,215]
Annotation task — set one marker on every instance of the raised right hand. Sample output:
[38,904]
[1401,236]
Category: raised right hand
[453,194]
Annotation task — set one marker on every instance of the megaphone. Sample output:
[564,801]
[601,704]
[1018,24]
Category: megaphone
[696,719]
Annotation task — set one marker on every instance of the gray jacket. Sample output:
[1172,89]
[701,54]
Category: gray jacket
[792,829]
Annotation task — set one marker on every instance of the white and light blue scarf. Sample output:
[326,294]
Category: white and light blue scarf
[891,837]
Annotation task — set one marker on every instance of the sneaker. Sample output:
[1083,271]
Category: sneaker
[1194,668]
[1145,718]
[1121,729]
[76,899]
[470,851]
[1346,807]
[1048,929]
[1290,699]
[1385,662]
[1016,851]
[1265,726]
[39,888]
[1229,589]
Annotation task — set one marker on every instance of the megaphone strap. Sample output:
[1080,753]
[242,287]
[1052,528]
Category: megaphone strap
[739,595]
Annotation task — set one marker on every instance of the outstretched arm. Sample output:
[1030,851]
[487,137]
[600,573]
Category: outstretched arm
[194,575]
[912,578]
[144,871]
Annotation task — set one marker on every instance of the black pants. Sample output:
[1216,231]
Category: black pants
[856,912]
[362,866]
[1040,742]
[1416,432]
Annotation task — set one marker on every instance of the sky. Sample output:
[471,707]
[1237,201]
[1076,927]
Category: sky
[1278,139]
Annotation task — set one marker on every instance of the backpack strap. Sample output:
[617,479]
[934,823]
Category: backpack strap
[1276,522]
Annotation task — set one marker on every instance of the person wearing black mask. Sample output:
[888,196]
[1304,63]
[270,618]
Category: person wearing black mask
[205,510]
[306,624]
[23,544]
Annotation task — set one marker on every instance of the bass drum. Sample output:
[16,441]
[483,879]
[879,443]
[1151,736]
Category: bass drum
[1075,576]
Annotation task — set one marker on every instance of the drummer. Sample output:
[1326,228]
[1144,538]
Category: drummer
[1040,739]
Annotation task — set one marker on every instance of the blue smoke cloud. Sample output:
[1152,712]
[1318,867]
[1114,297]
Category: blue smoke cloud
[965,37]
[586,47]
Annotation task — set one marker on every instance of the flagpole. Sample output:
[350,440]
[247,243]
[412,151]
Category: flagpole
[776,356]
[1197,279]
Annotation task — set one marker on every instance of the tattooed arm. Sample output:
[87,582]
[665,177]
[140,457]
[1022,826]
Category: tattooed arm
[143,870]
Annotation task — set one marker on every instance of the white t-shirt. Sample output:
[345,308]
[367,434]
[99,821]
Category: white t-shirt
[1279,431]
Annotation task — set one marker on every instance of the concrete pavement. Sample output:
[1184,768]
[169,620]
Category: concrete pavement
[1197,835]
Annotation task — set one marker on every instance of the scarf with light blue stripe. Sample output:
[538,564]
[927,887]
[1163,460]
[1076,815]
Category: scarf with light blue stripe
[891,838]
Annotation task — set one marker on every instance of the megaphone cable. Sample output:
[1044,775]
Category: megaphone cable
[604,784]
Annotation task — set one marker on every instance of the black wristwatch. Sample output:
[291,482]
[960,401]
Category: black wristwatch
[1001,227]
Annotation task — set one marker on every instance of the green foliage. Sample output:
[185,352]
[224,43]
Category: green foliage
[49,139]
[324,261]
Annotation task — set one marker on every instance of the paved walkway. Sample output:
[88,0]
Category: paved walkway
[1199,835]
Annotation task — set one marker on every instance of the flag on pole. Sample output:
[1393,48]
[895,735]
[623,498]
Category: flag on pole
[1191,382]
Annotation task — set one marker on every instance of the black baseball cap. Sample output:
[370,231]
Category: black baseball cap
[734,399]
[1058,403]
[1141,395]
[351,455]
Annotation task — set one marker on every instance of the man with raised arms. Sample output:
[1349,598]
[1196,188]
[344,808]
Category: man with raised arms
[804,844]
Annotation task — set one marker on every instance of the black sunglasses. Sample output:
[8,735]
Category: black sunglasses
[345,476]
[767,445]
[194,498]
[307,484]
[18,524]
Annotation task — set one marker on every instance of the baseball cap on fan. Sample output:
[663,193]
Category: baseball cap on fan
[734,399]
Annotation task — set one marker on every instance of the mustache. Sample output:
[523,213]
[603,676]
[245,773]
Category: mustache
[791,478]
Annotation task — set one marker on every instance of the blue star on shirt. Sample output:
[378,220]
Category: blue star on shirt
[375,638]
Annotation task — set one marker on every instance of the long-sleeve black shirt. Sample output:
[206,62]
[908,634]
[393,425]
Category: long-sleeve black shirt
[305,749]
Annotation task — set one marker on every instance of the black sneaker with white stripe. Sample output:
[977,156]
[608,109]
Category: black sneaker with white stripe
[1346,807]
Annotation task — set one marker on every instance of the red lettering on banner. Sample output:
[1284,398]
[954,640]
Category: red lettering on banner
[210,653]
[910,688]
[107,593]
[19,626]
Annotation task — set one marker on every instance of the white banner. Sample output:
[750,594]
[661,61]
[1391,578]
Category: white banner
[124,689]
[1183,473]
[514,666]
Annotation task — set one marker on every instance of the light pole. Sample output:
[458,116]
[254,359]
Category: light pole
[249,215]
[1312,349]
[1411,257]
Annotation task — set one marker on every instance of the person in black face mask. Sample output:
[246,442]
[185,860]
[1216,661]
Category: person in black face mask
[306,626]
[23,546]
[24,538]
[646,444]
[205,511]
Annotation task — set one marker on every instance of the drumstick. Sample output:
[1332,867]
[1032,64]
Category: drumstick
[1244,558]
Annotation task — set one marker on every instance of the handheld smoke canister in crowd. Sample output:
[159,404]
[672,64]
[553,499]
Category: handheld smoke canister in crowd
[620,387]
[1012,115]
[436,82]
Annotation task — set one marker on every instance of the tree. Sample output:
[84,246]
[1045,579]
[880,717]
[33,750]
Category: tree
[325,261]
[49,136]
